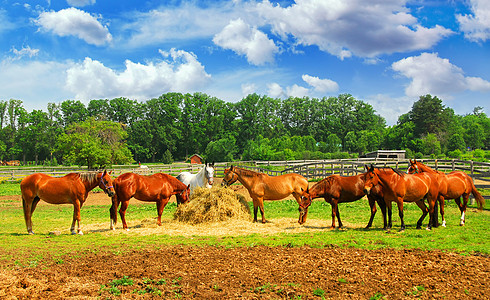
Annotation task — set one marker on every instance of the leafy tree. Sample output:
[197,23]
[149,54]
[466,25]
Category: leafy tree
[167,157]
[94,143]
[429,115]
[474,134]
[73,111]
[3,110]
[456,142]
[221,150]
[431,145]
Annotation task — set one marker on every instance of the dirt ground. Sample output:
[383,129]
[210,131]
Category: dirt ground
[253,273]
[260,272]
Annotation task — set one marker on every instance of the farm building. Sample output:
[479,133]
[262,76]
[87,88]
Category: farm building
[196,159]
[394,154]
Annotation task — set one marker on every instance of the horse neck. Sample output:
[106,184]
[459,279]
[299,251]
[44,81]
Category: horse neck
[90,182]
[245,180]
[201,175]
[425,168]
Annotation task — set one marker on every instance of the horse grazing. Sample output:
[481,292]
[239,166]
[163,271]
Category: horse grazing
[262,187]
[203,178]
[400,187]
[454,185]
[157,188]
[337,189]
[72,188]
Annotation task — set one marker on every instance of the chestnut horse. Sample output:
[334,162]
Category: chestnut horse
[337,189]
[454,185]
[157,188]
[262,187]
[72,188]
[401,187]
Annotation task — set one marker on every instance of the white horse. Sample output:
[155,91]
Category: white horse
[203,178]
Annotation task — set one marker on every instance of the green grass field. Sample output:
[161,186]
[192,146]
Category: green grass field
[17,246]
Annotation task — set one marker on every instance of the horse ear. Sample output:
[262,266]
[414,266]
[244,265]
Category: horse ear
[366,167]
[372,168]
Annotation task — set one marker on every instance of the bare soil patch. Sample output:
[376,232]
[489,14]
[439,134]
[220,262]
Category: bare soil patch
[253,273]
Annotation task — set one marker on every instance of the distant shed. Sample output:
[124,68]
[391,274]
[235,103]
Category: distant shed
[393,154]
[196,159]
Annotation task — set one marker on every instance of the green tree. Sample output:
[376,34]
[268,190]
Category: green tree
[94,143]
[73,111]
[431,145]
[221,150]
[429,116]
[456,142]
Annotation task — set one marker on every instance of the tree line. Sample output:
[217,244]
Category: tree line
[174,126]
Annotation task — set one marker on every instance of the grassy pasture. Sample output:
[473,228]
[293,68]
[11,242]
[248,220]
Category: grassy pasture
[19,248]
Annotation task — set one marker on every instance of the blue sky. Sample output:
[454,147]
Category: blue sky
[386,53]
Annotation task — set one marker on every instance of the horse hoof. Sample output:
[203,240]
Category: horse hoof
[80,233]
[443,224]
[30,232]
[419,227]
[428,229]
[73,232]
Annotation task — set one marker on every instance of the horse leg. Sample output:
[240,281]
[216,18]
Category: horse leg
[400,213]
[461,209]
[423,207]
[390,212]
[441,209]
[76,218]
[466,197]
[28,209]
[338,215]
[382,205]
[256,208]
[261,206]
[160,206]
[122,213]
[372,205]
[113,212]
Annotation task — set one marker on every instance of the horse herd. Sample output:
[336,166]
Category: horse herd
[381,185]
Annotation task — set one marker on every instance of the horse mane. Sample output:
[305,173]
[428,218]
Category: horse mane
[88,176]
[248,173]
[397,171]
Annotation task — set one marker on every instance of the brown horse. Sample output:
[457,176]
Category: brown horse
[72,188]
[400,187]
[454,185]
[157,188]
[337,189]
[262,187]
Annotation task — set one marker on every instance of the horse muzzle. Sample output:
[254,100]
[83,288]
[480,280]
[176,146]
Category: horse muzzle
[367,190]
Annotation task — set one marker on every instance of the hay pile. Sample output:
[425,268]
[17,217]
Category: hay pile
[213,205]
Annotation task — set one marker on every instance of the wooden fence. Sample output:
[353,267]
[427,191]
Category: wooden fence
[311,169]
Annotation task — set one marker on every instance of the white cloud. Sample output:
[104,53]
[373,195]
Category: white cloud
[344,28]
[75,22]
[92,80]
[184,22]
[297,91]
[248,88]
[275,90]
[34,82]
[321,85]
[5,24]
[249,41]
[389,107]
[80,3]
[431,74]
[25,51]
[476,27]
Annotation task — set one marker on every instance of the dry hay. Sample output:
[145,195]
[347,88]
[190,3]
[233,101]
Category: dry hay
[213,205]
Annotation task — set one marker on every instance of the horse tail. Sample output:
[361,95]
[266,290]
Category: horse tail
[479,198]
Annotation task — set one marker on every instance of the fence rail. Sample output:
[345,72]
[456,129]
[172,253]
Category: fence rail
[311,169]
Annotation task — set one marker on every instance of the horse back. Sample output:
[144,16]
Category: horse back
[279,187]
[52,189]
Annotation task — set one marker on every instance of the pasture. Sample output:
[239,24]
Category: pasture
[279,259]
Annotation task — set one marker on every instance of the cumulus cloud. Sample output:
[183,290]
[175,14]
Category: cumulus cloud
[75,22]
[431,74]
[476,27]
[297,91]
[249,41]
[351,27]
[248,88]
[321,85]
[275,90]
[182,73]
[34,82]
[80,3]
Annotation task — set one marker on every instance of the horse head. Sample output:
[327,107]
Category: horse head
[209,173]
[184,196]
[105,183]
[413,167]
[230,176]
[371,179]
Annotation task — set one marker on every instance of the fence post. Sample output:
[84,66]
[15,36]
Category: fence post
[452,165]
[437,166]
[471,167]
